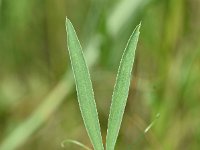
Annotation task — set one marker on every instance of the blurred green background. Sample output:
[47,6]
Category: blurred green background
[38,104]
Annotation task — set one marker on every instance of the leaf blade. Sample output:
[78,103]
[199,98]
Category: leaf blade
[120,93]
[84,88]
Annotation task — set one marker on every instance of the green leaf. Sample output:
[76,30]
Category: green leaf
[121,89]
[84,88]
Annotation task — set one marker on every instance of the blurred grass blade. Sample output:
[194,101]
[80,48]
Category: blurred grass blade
[121,13]
[151,124]
[76,143]
[121,89]
[84,88]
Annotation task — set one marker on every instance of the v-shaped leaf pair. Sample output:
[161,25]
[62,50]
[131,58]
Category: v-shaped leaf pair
[85,91]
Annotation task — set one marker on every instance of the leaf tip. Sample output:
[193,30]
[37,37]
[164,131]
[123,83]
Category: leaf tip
[138,26]
[140,23]
[68,23]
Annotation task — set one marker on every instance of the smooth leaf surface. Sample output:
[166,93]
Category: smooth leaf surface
[121,89]
[84,88]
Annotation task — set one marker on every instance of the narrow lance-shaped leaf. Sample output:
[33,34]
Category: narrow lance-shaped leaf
[84,88]
[121,89]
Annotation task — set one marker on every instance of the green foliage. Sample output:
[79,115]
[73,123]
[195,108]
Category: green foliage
[121,90]
[85,91]
[37,103]
[84,88]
